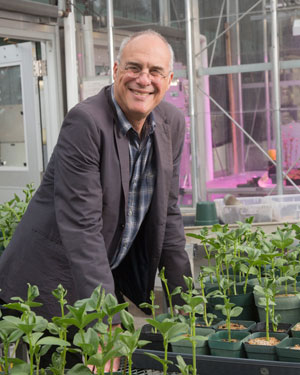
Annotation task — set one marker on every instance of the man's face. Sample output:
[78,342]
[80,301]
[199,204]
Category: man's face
[142,77]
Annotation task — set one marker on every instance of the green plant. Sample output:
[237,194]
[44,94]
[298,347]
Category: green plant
[108,338]
[151,306]
[130,338]
[267,301]
[9,335]
[57,327]
[31,327]
[193,305]
[204,240]
[174,292]
[184,368]
[171,332]
[229,310]
[11,213]
[207,317]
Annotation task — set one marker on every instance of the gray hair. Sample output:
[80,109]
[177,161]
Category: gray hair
[146,32]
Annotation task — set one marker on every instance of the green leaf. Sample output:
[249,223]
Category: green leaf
[127,320]
[236,311]
[79,369]
[50,340]
[160,360]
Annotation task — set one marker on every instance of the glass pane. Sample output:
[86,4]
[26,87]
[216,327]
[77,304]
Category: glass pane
[235,31]
[288,43]
[12,143]
[290,123]
[237,160]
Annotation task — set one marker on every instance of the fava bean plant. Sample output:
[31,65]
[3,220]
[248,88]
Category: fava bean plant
[11,213]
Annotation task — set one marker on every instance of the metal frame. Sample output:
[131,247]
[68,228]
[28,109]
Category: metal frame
[192,34]
[48,35]
[274,66]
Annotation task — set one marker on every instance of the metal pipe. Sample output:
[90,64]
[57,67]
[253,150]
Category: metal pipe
[110,24]
[276,96]
[240,94]
[71,58]
[204,83]
[30,7]
[164,12]
[217,32]
[89,57]
[190,70]
[267,90]
[231,25]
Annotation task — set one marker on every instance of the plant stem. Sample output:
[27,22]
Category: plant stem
[129,364]
[6,365]
[165,365]
[267,318]
[82,337]
[204,304]
[194,343]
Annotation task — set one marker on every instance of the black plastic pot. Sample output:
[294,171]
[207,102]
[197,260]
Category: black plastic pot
[246,301]
[156,339]
[200,323]
[282,328]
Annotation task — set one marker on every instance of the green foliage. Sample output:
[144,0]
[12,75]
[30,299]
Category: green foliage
[174,292]
[11,213]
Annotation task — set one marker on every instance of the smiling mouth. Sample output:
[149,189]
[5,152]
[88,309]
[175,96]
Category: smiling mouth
[140,93]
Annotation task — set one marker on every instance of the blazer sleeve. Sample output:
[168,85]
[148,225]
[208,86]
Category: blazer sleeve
[78,202]
[174,257]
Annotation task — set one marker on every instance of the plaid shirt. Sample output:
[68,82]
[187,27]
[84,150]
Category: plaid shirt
[142,179]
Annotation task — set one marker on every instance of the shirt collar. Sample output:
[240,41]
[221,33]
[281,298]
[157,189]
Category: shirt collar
[124,123]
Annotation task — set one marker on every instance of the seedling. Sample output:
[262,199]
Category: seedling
[207,317]
[109,339]
[175,291]
[194,305]
[11,213]
[171,332]
[229,309]
[267,301]
[32,327]
[151,306]
[130,338]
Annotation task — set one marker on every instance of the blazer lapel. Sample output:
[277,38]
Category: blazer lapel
[123,154]
[164,165]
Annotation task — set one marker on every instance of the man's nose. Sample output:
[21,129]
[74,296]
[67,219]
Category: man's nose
[144,78]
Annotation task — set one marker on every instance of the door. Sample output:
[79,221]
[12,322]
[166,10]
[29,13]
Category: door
[20,134]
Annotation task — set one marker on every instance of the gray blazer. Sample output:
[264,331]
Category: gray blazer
[74,222]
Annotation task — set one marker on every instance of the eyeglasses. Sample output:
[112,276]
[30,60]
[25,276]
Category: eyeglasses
[135,71]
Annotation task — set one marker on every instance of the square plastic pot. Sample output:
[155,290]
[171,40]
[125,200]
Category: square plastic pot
[263,352]
[244,300]
[249,324]
[288,307]
[284,351]
[281,328]
[185,346]
[295,333]
[219,347]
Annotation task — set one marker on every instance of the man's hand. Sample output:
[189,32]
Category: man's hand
[116,361]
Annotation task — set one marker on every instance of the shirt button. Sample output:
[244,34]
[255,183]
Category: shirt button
[130,212]
[122,226]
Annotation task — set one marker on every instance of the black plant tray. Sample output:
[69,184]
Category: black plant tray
[208,365]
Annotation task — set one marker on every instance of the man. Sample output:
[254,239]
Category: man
[106,211]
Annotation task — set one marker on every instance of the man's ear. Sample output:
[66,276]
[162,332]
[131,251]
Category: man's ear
[170,78]
[115,69]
